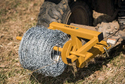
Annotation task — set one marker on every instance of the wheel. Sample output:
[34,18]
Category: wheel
[81,14]
[78,13]
[36,51]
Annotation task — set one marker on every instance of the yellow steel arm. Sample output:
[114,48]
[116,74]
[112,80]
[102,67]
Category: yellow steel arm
[73,50]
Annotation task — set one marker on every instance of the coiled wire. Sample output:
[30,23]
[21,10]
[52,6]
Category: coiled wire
[36,48]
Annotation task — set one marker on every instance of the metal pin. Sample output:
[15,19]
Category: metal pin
[107,55]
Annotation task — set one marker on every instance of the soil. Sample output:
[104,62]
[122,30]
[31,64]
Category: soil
[16,16]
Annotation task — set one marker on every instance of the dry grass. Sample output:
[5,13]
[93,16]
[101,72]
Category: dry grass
[16,16]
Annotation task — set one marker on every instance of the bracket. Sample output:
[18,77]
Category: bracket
[73,50]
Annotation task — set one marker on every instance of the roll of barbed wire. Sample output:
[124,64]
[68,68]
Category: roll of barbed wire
[36,51]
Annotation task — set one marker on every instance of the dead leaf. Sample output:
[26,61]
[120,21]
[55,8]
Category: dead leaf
[97,72]
[2,65]
[17,64]
[9,43]
[101,78]
[109,73]
[109,65]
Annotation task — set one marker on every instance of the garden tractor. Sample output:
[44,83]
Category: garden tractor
[64,35]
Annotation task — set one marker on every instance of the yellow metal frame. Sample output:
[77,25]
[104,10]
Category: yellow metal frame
[73,50]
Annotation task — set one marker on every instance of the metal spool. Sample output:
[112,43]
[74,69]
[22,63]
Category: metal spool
[36,51]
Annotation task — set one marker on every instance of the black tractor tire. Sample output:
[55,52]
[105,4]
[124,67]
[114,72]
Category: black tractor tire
[78,12]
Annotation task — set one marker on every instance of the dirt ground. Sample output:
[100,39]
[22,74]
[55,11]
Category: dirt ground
[16,16]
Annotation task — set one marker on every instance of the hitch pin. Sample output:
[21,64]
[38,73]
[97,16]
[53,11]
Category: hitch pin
[58,53]
[19,38]
[107,55]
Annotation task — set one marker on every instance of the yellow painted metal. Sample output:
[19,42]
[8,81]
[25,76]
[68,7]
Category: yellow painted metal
[66,51]
[77,54]
[73,57]
[18,38]
[57,48]
[72,30]
[88,45]
[73,50]
[96,49]
[76,41]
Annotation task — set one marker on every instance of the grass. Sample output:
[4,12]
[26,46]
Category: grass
[16,16]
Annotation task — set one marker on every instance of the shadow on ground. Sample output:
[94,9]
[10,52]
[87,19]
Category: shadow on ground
[82,73]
